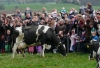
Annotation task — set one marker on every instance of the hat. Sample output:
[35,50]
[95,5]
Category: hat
[93,30]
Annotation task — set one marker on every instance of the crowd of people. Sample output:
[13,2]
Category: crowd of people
[79,27]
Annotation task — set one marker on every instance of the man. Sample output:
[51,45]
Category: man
[28,11]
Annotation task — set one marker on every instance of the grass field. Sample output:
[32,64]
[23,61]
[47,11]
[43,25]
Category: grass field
[38,6]
[72,60]
[49,6]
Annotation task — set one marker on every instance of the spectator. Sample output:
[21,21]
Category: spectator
[94,36]
[8,41]
[92,27]
[31,49]
[60,26]
[44,11]
[35,21]
[82,10]
[72,38]
[28,11]
[3,15]
[53,23]
[18,13]
[28,17]
[97,17]
[42,17]
[68,26]
[89,8]
[82,39]
[54,13]
[63,12]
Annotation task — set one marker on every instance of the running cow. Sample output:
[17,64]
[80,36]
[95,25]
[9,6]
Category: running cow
[30,35]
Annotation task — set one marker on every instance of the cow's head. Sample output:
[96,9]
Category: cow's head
[62,49]
[88,45]
[93,49]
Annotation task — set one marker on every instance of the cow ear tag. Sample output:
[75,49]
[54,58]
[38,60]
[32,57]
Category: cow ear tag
[87,46]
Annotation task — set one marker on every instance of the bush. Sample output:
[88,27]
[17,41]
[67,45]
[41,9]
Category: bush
[64,1]
[2,7]
[16,7]
[75,2]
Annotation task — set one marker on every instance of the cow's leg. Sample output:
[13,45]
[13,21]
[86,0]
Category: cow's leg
[42,52]
[14,49]
[91,56]
[98,63]
[22,52]
[98,58]
[21,47]
[18,40]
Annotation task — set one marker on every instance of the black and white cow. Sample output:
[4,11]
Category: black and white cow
[94,48]
[45,35]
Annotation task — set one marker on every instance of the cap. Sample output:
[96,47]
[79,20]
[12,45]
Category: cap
[93,30]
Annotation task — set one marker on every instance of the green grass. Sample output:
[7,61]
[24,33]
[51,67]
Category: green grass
[38,6]
[72,60]
[49,6]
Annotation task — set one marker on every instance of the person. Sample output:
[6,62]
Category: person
[8,41]
[72,38]
[89,8]
[31,49]
[38,49]
[35,20]
[82,10]
[82,39]
[97,16]
[18,13]
[63,12]
[77,43]
[5,26]
[92,26]
[28,11]
[28,19]
[94,36]
[54,13]
[44,11]
[60,26]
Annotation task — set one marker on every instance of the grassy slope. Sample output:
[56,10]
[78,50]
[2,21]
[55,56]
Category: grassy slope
[72,60]
[50,7]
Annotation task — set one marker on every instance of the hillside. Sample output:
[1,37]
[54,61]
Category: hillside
[38,6]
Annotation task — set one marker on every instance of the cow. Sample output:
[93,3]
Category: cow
[42,34]
[94,47]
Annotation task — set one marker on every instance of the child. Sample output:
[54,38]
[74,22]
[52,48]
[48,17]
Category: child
[72,38]
[31,49]
[94,36]
[38,49]
[8,39]
[82,39]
